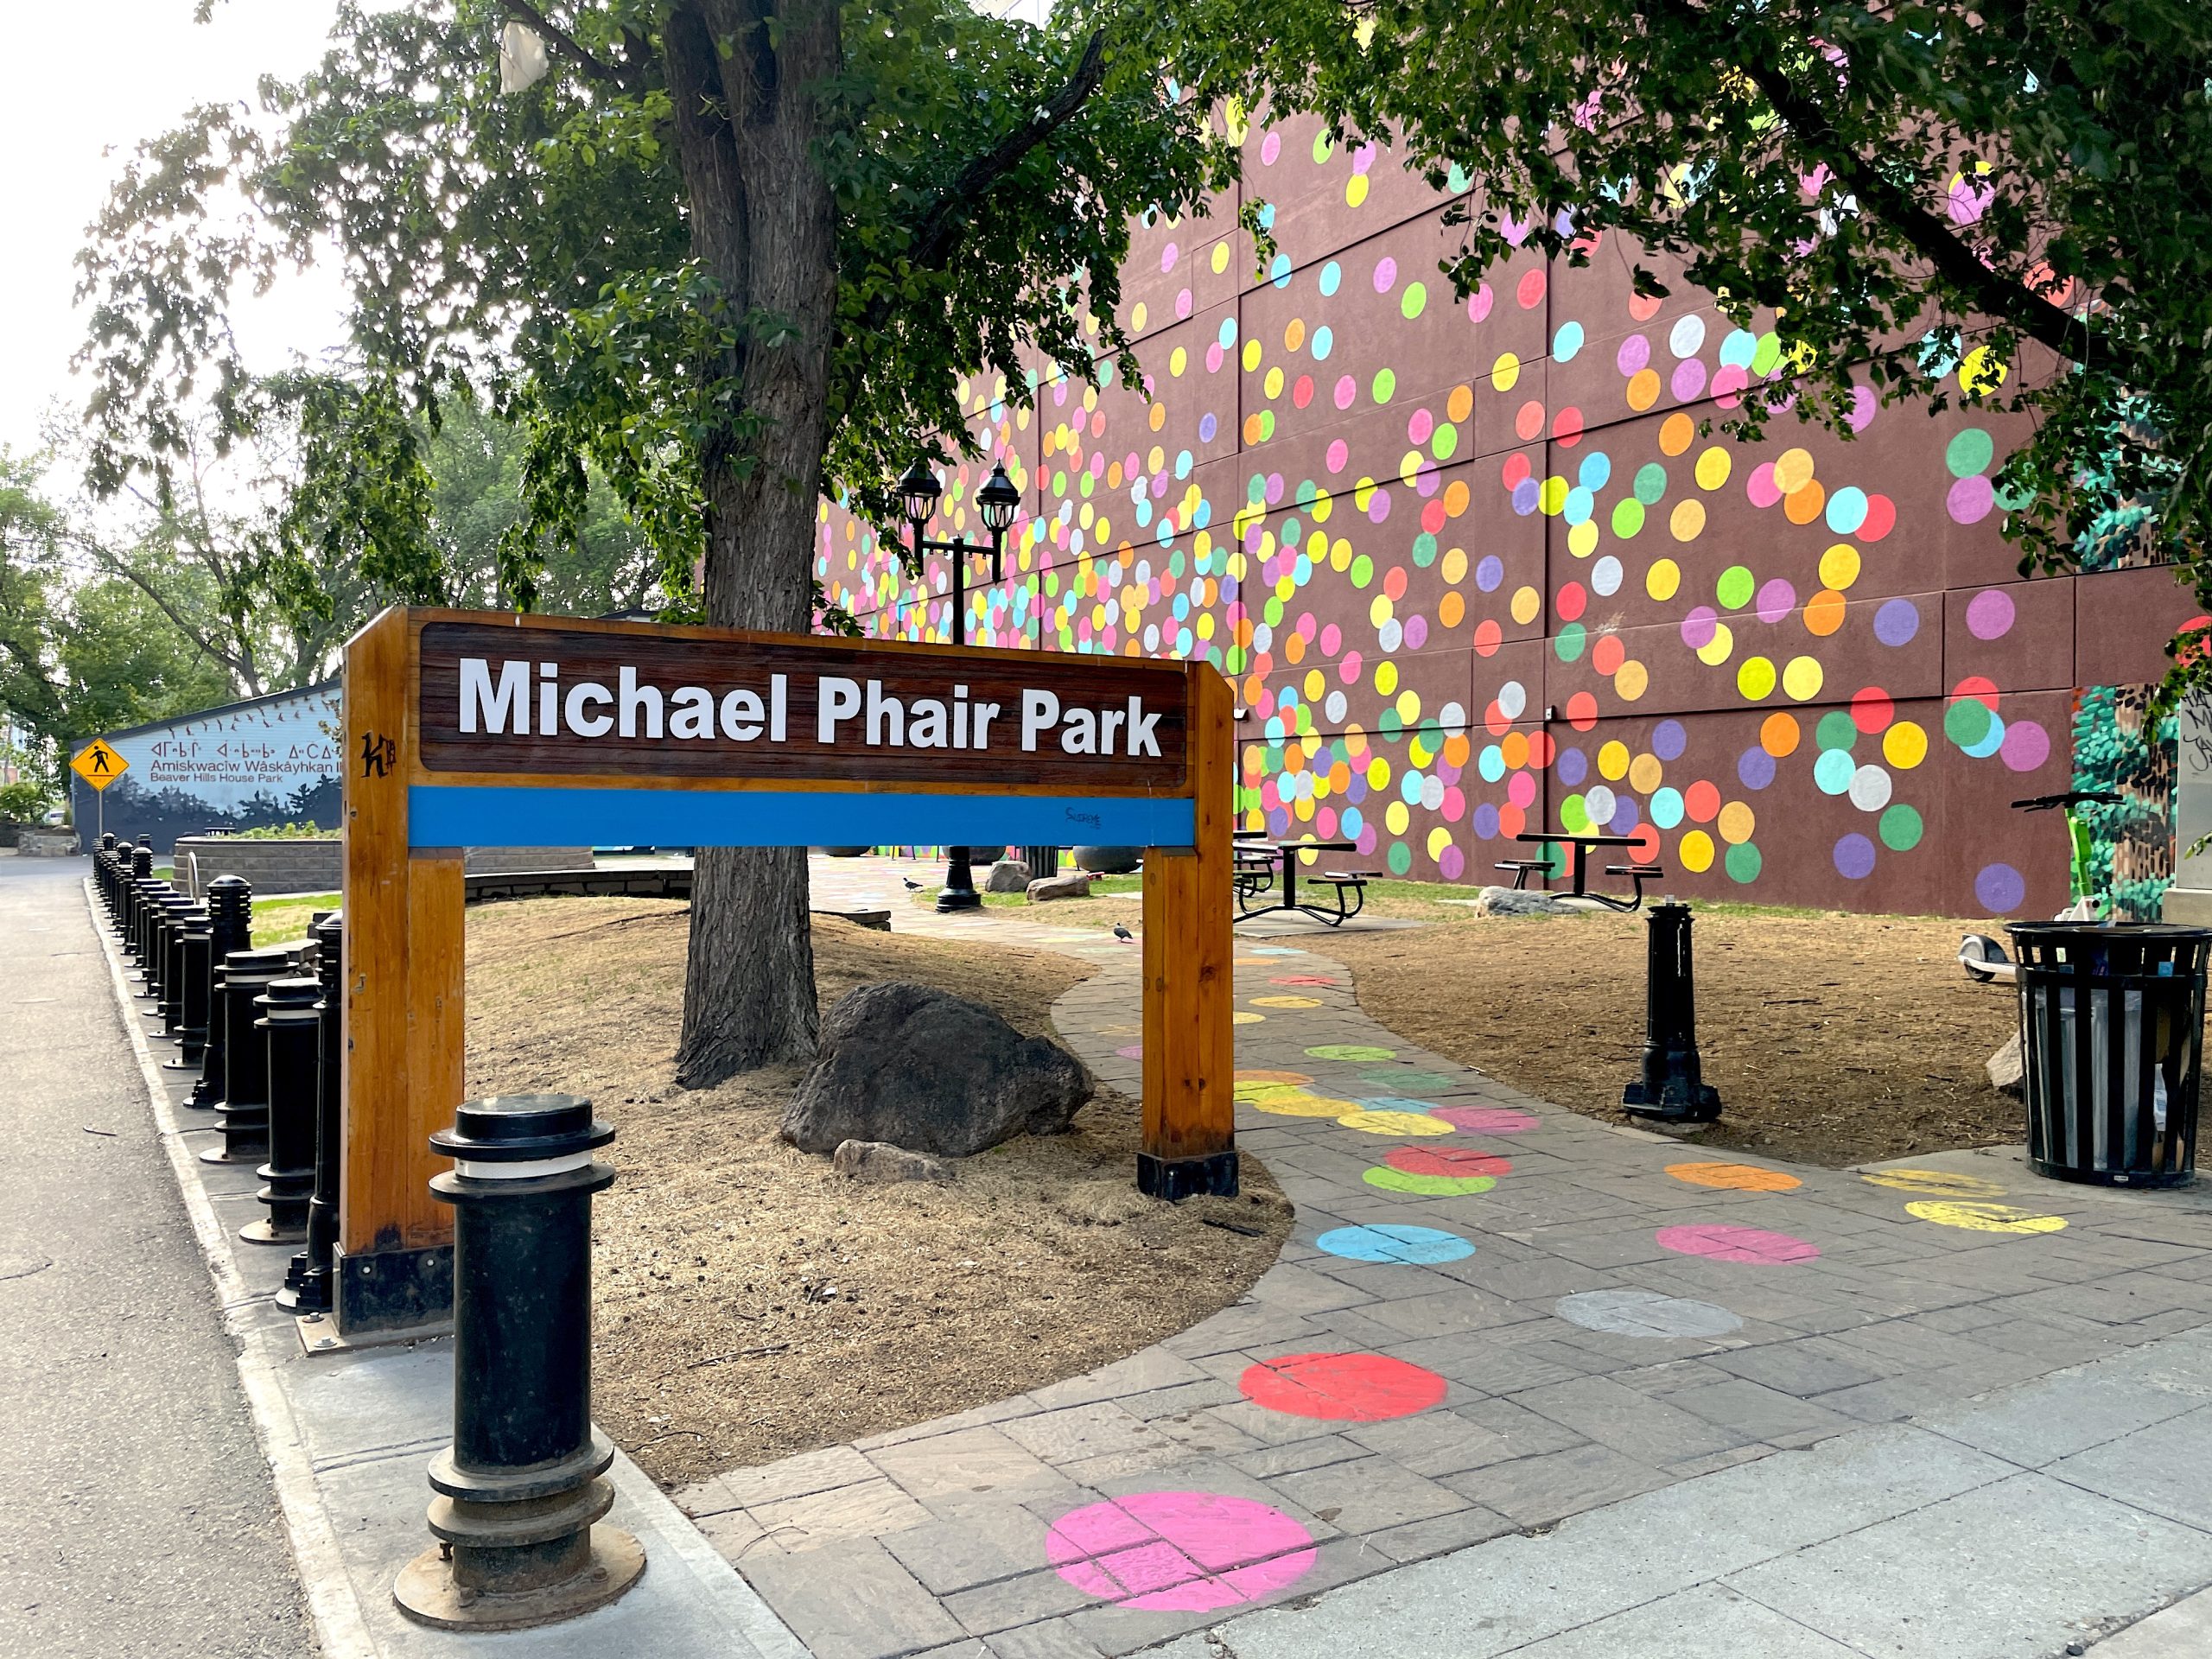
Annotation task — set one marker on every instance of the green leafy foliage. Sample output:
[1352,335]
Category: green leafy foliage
[24,801]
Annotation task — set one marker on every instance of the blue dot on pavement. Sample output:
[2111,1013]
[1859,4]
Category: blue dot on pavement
[1416,1246]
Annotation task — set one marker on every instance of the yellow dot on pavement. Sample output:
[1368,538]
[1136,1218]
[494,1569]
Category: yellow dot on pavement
[1936,1183]
[1394,1123]
[1297,1103]
[1246,1017]
[1985,1218]
[1287,1001]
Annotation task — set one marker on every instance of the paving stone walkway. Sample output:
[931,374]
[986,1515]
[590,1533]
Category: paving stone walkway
[1493,1315]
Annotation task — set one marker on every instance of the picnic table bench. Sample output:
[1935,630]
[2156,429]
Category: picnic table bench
[1256,865]
[1637,871]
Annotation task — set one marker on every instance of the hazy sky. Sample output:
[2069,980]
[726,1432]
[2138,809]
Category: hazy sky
[76,82]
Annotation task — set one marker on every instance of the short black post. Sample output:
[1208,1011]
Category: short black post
[176,911]
[1673,1089]
[104,869]
[959,892]
[519,1490]
[291,1027]
[307,1280]
[229,928]
[243,1114]
[142,869]
[195,974]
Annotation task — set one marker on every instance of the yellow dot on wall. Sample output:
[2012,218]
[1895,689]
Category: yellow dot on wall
[1735,822]
[1418,752]
[1717,650]
[1687,522]
[1455,568]
[1316,685]
[1642,388]
[1755,677]
[1155,457]
[1324,504]
[1802,678]
[1221,256]
[1362,493]
[1378,773]
[1380,610]
[1340,554]
[1439,839]
[1840,566]
[1355,189]
[1408,706]
[1612,760]
[1904,746]
[1526,601]
[1793,470]
[1410,468]
[1629,680]
[1273,385]
[1713,468]
[1505,372]
[1582,539]
[1178,360]
[1662,579]
[1695,852]
[1251,355]
[1553,496]
[1676,433]
[1980,373]
[1294,335]
[1386,678]
[1136,318]
[1644,773]
[1396,818]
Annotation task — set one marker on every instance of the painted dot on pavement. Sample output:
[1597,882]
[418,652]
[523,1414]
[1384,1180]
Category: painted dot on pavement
[1353,1052]
[1397,1104]
[1735,1243]
[1303,979]
[1179,1552]
[1740,1177]
[1985,1218]
[1644,1313]
[1276,950]
[1935,1183]
[1389,1241]
[1253,1075]
[1374,1123]
[1487,1120]
[1287,1001]
[1428,1186]
[1342,1388]
[1410,1082]
[1246,1017]
[1296,1103]
[1447,1160]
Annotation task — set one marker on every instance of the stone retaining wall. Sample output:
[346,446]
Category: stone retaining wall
[319,866]
[46,843]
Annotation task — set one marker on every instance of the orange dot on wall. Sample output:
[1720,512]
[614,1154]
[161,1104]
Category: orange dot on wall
[1496,720]
[1457,748]
[1824,611]
[1514,748]
[1647,844]
[1528,422]
[1251,429]
[1455,497]
[1778,735]
[1511,821]
[1293,648]
[1803,503]
[1461,403]
[1582,711]
[1606,654]
[1702,801]
[1645,307]
[1452,610]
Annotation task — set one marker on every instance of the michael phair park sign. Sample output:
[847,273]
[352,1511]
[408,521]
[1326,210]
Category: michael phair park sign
[470,729]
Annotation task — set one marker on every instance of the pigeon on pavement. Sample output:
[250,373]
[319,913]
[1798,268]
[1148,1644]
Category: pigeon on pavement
[1120,932]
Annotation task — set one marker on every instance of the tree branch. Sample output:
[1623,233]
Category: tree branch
[624,76]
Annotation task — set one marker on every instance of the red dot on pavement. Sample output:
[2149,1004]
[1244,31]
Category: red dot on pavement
[1447,1160]
[1342,1388]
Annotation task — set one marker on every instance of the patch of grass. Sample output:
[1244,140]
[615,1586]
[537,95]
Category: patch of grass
[1076,911]
[281,921]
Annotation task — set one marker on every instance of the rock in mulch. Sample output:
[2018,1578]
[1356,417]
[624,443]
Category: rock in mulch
[1008,876]
[2007,1068]
[930,1072]
[880,1162]
[1073,885]
[1518,901]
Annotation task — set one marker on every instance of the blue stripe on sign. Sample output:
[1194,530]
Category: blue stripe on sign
[449,816]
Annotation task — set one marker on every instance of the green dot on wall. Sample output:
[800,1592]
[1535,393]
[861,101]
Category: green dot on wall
[1966,722]
[1444,443]
[1569,643]
[1900,828]
[1386,385]
[1651,482]
[1734,590]
[1271,612]
[1362,571]
[1628,517]
[1414,300]
[1837,730]
[1389,725]
[1424,550]
[1969,453]
[1743,863]
[1400,859]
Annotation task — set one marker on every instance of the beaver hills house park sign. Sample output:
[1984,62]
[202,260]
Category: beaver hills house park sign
[465,728]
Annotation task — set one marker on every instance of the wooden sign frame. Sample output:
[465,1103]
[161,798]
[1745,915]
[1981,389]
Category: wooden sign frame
[448,745]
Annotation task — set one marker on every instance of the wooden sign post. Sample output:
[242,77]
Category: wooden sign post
[488,729]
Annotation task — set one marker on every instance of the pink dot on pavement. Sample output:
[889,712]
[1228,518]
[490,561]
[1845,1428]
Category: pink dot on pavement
[1133,1052]
[1736,1243]
[1485,1120]
[1179,1552]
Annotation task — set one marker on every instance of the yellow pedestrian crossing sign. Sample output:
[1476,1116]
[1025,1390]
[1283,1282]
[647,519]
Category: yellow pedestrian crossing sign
[98,765]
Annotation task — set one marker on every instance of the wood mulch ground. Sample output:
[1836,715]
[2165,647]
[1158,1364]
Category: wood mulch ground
[1833,1039]
[749,1301]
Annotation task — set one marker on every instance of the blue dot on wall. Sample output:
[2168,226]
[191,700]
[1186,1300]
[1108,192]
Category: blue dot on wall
[1596,469]
[1413,1246]
[1332,275]
[1854,858]
[1324,343]
[1567,342]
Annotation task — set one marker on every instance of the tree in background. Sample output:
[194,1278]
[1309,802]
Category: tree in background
[728,252]
[2003,201]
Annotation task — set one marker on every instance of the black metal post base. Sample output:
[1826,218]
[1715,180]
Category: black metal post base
[1176,1179]
[959,884]
[1684,1107]
[393,1290]
[429,1591]
[239,1145]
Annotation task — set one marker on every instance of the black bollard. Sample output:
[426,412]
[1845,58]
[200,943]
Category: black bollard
[306,1280]
[195,972]
[176,910]
[230,925]
[243,1114]
[524,1481]
[1673,1089]
[289,1026]
[142,869]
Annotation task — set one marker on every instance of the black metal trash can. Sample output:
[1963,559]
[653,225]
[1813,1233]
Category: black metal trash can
[2112,1037]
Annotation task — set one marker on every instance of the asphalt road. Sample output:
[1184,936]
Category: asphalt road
[136,1516]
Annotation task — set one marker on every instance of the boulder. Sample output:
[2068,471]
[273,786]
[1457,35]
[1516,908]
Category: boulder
[882,1163]
[1518,901]
[1008,876]
[1109,860]
[2007,1068]
[1074,885]
[930,1072]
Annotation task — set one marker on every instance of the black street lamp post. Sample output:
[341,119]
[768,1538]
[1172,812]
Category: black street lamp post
[996,503]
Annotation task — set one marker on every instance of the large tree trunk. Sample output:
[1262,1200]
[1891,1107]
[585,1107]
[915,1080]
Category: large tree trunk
[764,224]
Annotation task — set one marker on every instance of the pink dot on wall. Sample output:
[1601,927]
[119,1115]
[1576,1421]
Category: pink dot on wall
[2026,746]
[1521,789]
[1179,1552]
[1347,388]
[1340,453]
[1689,380]
[1386,274]
[1970,501]
[1724,1243]
[1478,303]
[1635,353]
[1761,486]
[1270,147]
[1989,613]
[1419,426]
[1167,257]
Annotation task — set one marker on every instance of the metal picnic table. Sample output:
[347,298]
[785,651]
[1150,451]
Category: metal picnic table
[1255,873]
[1582,844]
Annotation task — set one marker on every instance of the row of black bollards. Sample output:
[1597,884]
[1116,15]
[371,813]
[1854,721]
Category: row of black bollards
[522,1492]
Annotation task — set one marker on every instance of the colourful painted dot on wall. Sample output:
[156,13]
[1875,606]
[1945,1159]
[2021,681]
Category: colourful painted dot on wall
[1725,1243]
[1985,1218]
[1353,1052]
[1934,1182]
[1644,1313]
[1387,1123]
[1999,889]
[1426,1187]
[1179,1552]
[1342,1388]
[1735,1178]
[1418,1247]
